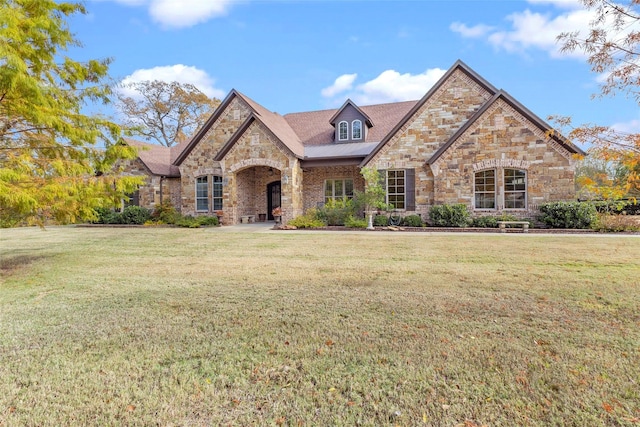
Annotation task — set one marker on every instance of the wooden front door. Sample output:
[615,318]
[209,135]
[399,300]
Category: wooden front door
[273,198]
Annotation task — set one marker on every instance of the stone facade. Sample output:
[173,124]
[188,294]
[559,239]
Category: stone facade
[461,127]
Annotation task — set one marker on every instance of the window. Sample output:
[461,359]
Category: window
[338,189]
[202,194]
[485,189]
[356,129]
[396,188]
[515,189]
[343,131]
[216,197]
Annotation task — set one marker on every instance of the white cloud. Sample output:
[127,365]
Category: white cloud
[342,84]
[563,4]
[632,126]
[170,73]
[476,31]
[389,86]
[182,13]
[536,30]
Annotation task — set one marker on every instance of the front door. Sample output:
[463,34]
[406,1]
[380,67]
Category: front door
[273,198]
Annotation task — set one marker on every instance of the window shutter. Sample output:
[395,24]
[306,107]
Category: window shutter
[410,189]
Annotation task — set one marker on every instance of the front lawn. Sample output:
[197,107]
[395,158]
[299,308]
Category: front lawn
[161,326]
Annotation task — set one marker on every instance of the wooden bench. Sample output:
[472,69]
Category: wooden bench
[503,225]
[248,219]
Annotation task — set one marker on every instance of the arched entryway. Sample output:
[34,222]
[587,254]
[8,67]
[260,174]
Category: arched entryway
[274,197]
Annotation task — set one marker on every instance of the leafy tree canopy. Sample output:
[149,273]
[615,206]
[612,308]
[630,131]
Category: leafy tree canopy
[612,46]
[55,162]
[168,113]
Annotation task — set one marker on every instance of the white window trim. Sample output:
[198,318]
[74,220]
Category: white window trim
[353,129]
[340,133]
[495,191]
[201,198]
[504,189]
[213,197]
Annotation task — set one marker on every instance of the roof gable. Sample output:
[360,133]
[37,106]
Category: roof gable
[346,104]
[457,66]
[281,133]
[525,112]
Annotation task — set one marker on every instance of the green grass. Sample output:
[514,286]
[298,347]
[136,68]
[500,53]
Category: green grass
[204,327]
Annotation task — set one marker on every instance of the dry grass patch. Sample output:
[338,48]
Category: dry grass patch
[201,327]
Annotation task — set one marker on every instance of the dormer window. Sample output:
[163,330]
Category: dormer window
[356,129]
[343,131]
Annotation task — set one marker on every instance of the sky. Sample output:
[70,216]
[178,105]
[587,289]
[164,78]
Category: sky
[303,55]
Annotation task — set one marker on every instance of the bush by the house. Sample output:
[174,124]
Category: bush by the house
[107,216]
[308,220]
[135,215]
[579,215]
[456,215]
[616,223]
[336,212]
[623,207]
[412,221]
[380,221]
[353,222]
[165,213]
[485,222]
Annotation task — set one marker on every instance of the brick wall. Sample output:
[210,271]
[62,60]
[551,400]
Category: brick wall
[314,179]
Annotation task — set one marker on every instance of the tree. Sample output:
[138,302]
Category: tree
[613,49]
[166,112]
[55,162]
[373,196]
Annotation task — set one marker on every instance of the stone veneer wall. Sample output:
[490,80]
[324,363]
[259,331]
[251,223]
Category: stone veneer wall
[244,165]
[149,192]
[200,162]
[314,179]
[430,127]
[503,138]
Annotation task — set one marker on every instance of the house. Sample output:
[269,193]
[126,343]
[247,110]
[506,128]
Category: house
[464,142]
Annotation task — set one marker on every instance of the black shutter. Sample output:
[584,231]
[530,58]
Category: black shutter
[410,189]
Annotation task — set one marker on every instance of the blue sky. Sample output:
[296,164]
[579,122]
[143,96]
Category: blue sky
[302,55]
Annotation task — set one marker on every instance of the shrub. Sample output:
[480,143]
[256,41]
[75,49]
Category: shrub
[616,223]
[336,212]
[187,222]
[618,207]
[107,216]
[412,221]
[485,222]
[207,221]
[450,215]
[353,222]
[308,220]
[568,214]
[380,221]
[135,215]
[165,213]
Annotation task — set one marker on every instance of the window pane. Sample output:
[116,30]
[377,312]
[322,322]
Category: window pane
[343,132]
[217,193]
[485,189]
[338,190]
[202,194]
[396,188]
[515,189]
[348,188]
[356,129]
